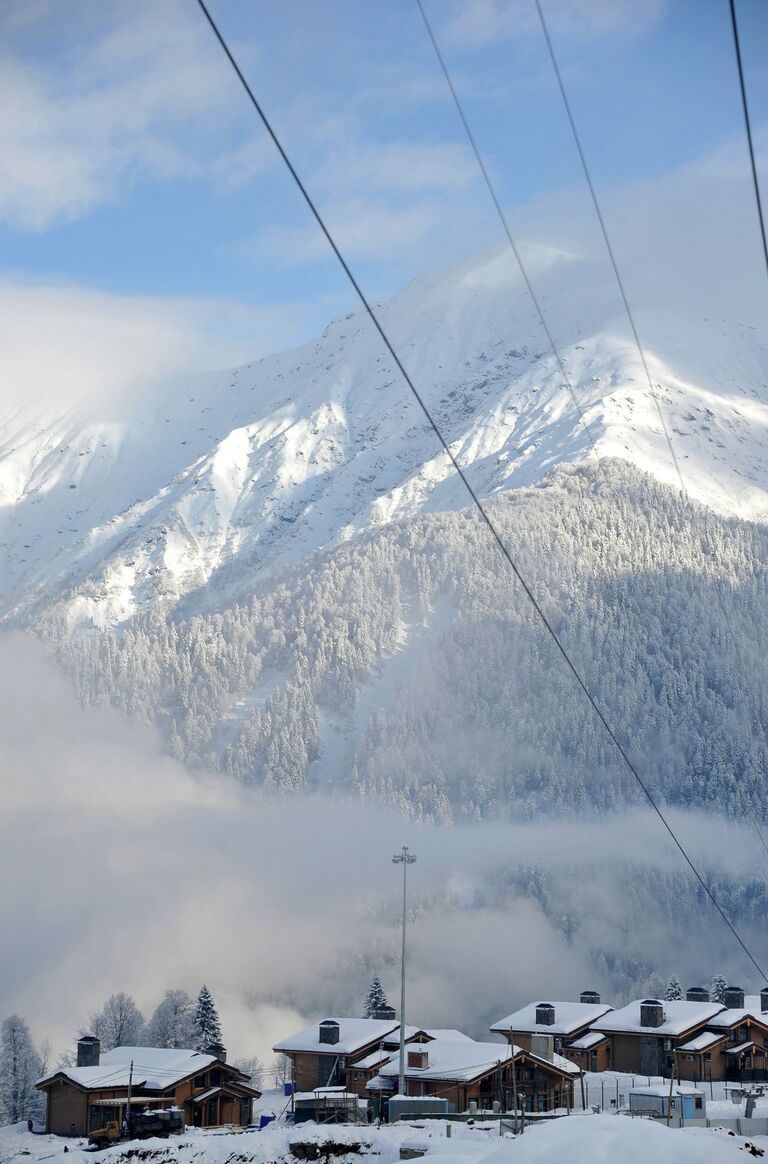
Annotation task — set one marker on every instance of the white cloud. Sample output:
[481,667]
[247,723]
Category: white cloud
[128,873]
[66,345]
[364,229]
[479,23]
[81,128]
[398,167]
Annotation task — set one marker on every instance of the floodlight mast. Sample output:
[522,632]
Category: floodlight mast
[404,858]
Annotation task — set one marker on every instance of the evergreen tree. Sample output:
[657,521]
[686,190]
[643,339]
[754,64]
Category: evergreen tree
[205,1024]
[674,990]
[19,1071]
[718,988]
[375,998]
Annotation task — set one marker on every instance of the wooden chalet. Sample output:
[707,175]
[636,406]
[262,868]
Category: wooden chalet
[464,1071]
[646,1035]
[570,1025]
[81,1099]
[322,1055]
[734,1044]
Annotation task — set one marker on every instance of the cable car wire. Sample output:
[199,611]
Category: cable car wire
[748,128]
[486,518]
[504,222]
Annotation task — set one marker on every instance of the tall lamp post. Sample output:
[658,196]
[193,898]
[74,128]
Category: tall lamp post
[405,859]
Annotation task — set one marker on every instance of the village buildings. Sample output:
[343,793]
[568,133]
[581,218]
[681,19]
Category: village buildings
[570,1025]
[84,1098]
[362,1057]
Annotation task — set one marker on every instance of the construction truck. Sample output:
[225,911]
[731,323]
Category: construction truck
[139,1125]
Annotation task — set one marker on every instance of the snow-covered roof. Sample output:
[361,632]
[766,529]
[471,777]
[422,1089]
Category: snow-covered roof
[354,1034]
[569,1017]
[733,1016]
[661,1090]
[459,1059]
[741,1047]
[591,1039]
[448,1034]
[679,1016]
[702,1041]
[374,1059]
[155,1067]
[464,1059]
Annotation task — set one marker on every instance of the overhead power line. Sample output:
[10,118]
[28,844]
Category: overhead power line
[505,224]
[470,490]
[748,128]
[625,300]
[608,246]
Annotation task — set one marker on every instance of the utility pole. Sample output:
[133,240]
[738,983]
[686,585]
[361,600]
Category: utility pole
[405,859]
[128,1103]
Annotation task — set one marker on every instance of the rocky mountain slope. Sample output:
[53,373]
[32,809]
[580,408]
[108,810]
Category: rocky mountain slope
[209,489]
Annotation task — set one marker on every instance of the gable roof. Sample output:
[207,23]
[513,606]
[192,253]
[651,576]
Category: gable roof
[703,1041]
[354,1035]
[732,1017]
[157,1068]
[590,1039]
[679,1016]
[464,1059]
[569,1017]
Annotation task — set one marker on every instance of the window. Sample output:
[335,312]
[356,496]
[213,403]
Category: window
[215,1076]
[212,1111]
[199,1081]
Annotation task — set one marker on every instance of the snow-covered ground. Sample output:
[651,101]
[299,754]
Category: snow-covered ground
[205,487]
[580,1139]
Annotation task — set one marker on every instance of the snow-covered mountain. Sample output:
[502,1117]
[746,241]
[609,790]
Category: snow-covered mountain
[211,488]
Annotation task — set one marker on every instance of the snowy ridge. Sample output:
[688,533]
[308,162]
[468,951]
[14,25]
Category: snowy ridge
[233,477]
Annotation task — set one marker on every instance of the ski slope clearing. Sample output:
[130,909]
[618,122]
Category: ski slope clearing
[204,488]
[574,1140]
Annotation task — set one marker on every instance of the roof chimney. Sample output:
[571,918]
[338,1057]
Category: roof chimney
[418,1059]
[590,996]
[733,998]
[764,999]
[329,1032]
[88,1051]
[543,1046]
[217,1050]
[696,994]
[385,1014]
[651,1013]
[545,1014]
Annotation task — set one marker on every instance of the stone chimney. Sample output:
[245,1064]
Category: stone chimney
[651,1013]
[385,1013]
[88,1051]
[590,996]
[545,1014]
[218,1051]
[329,1032]
[543,1046]
[697,994]
[733,998]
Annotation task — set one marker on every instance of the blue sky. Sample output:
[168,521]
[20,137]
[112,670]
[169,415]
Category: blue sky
[133,165]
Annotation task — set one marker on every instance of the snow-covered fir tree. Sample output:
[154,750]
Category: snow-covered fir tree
[651,643]
[119,1023]
[172,1023]
[19,1071]
[674,990]
[205,1024]
[375,998]
[718,988]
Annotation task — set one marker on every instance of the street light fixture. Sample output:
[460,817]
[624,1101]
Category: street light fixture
[405,859]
